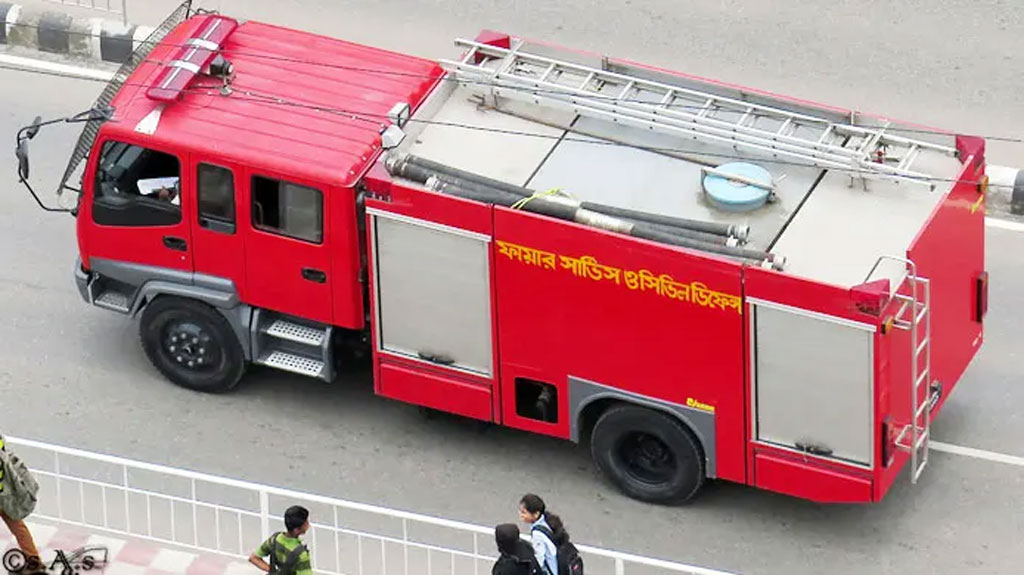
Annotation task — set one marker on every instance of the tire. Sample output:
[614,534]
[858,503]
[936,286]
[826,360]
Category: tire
[191,344]
[649,455]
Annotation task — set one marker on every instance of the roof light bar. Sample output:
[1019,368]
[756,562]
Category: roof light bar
[190,59]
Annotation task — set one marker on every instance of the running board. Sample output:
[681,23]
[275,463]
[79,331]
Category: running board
[294,363]
[113,301]
[110,294]
[292,344]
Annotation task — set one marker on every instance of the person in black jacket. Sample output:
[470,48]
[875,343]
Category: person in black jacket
[517,556]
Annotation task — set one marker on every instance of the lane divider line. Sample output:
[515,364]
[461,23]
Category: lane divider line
[977,453]
[1004,224]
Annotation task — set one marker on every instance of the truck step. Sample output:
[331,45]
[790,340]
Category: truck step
[112,300]
[284,329]
[294,363]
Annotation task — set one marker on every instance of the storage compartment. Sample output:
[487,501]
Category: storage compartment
[433,293]
[813,383]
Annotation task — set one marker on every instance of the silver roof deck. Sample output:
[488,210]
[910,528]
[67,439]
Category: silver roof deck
[828,226]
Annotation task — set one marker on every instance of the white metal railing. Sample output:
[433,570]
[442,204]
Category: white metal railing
[112,6]
[230,517]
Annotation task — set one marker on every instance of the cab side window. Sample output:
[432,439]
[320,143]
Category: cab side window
[136,186]
[215,188]
[287,209]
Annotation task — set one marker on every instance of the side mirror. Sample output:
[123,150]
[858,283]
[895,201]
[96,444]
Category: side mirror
[34,128]
[22,153]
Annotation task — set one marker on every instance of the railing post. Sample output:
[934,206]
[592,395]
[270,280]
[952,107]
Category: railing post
[405,544]
[127,500]
[264,513]
[476,555]
[124,12]
[195,514]
[620,566]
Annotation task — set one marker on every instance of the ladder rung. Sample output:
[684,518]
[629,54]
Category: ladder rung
[920,378]
[705,108]
[550,69]
[921,346]
[472,52]
[921,439]
[920,470]
[921,410]
[902,435]
[912,154]
[782,128]
[743,119]
[871,142]
[625,91]
[825,135]
[586,82]
[921,314]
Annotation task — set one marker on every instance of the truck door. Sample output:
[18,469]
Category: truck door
[137,206]
[287,262]
[221,191]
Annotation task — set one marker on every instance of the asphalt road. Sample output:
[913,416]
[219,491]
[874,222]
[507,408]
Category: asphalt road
[76,376]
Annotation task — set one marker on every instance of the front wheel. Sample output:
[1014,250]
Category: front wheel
[649,455]
[191,344]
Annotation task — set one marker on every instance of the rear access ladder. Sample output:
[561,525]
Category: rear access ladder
[915,312]
[515,74]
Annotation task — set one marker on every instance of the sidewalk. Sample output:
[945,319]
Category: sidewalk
[127,556]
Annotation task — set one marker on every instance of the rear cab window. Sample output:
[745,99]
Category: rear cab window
[287,209]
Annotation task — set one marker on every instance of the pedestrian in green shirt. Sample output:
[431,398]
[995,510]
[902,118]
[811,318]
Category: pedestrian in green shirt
[288,555]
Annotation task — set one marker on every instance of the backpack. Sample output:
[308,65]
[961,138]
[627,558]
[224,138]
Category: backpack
[18,488]
[568,557]
[288,567]
[515,565]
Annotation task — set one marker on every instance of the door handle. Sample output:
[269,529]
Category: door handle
[314,275]
[175,243]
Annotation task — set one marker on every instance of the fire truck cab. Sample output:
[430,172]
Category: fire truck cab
[698,280]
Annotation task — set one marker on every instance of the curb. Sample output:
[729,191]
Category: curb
[60,33]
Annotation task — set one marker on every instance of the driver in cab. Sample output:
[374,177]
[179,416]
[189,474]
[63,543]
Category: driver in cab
[165,189]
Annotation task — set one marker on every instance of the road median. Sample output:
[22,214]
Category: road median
[56,32]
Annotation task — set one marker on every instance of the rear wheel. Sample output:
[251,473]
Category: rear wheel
[191,344]
[649,455]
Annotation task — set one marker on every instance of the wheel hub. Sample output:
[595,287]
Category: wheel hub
[647,458]
[189,345]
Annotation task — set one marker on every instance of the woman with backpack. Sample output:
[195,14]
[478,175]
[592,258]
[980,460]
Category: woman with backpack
[550,540]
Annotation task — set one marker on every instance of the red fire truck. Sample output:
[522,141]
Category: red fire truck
[698,280]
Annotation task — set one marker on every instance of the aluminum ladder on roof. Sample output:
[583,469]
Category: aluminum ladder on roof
[516,74]
[915,312]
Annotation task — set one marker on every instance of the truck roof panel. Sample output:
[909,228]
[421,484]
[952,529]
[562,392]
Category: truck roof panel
[273,116]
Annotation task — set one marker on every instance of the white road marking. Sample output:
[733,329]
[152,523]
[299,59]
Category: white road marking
[45,66]
[1004,224]
[977,453]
